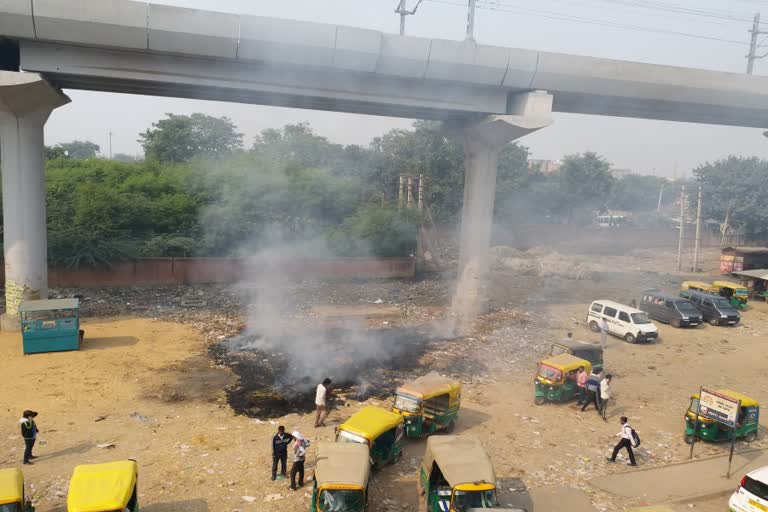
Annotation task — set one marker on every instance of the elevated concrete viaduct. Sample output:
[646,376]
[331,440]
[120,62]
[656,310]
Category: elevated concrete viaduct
[495,94]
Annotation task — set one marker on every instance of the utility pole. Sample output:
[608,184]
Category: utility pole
[753,56]
[661,192]
[110,145]
[402,10]
[682,230]
[471,20]
[698,235]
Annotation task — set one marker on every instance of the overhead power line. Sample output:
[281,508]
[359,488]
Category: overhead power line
[590,21]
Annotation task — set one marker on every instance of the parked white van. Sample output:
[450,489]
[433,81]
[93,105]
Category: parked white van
[623,321]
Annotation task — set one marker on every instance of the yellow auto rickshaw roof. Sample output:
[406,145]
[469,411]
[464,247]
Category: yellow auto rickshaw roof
[461,459]
[746,401]
[697,284]
[429,385]
[566,362]
[11,486]
[370,422]
[728,284]
[102,487]
[342,464]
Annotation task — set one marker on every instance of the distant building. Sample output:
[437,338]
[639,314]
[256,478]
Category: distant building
[544,166]
[621,173]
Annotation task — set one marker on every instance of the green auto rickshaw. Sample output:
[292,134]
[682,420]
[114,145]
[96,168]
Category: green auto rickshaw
[428,404]
[379,429]
[592,352]
[556,378]
[342,472]
[709,430]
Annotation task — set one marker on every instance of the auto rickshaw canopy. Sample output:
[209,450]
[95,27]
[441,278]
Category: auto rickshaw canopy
[102,487]
[696,285]
[566,362]
[736,287]
[461,460]
[11,486]
[430,385]
[746,401]
[370,422]
[342,466]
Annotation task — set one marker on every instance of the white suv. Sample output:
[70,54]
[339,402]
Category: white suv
[752,494]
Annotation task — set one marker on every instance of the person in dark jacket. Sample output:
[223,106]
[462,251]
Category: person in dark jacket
[29,434]
[280,442]
[593,391]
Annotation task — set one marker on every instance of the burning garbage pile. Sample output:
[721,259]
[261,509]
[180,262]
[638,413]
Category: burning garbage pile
[278,373]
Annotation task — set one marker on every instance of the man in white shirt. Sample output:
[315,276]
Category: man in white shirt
[321,396]
[605,394]
[626,442]
[603,333]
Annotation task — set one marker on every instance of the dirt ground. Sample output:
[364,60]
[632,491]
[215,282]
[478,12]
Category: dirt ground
[149,388]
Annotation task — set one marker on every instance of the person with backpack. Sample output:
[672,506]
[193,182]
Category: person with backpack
[629,440]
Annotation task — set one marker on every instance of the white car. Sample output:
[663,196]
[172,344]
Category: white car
[752,494]
[623,321]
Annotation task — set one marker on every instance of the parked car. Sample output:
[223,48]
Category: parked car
[752,493]
[715,309]
[672,310]
[623,321]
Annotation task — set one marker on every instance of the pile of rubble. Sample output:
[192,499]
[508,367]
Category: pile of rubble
[542,262]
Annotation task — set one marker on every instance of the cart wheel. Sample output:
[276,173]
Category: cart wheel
[714,321]
[594,327]
[539,400]
[676,323]
[752,436]
[630,337]
[689,438]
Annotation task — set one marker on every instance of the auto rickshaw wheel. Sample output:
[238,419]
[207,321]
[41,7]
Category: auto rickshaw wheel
[752,436]
[539,400]
[422,497]
[450,427]
[714,321]
[630,337]
[689,438]
[593,326]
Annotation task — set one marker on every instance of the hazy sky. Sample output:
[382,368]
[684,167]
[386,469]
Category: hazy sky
[645,146]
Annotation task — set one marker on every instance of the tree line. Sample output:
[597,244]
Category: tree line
[200,191]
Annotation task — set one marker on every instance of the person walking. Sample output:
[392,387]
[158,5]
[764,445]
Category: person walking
[280,442]
[321,398]
[593,391]
[605,394]
[29,434]
[626,442]
[299,455]
[581,382]
[603,333]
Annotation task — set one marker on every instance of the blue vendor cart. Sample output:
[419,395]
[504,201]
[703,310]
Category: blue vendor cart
[50,325]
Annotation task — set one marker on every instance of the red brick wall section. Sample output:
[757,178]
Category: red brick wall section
[170,271]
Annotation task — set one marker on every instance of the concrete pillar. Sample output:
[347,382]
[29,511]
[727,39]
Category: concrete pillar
[26,101]
[483,140]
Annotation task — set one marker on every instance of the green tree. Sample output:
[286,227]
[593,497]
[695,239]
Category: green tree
[80,149]
[52,152]
[585,182]
[739,186]
[179,138]
[639,193]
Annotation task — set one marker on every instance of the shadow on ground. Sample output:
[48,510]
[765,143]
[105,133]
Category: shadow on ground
[108,342]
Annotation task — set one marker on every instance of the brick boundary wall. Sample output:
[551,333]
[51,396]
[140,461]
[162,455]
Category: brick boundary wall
[174,271]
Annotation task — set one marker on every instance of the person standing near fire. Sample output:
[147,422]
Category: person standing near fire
[29,434]
[280,442]
[321,400]
[299,455]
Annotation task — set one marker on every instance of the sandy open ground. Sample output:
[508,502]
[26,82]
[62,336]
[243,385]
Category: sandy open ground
[149,388]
